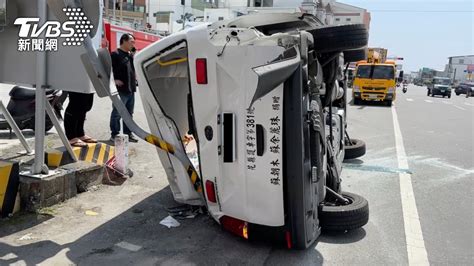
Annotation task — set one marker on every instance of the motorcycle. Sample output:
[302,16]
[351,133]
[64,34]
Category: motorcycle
[22,108]
[405,88]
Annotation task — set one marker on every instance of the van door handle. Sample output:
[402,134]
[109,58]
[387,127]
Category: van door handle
[260,140]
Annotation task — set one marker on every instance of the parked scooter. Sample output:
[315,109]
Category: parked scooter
[22,107]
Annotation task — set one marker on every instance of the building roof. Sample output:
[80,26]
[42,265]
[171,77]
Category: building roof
[460,56]
[336,5]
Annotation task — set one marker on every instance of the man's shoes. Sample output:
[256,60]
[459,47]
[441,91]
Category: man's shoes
[131,138]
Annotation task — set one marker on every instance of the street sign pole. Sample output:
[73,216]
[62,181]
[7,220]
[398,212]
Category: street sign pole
[40,99]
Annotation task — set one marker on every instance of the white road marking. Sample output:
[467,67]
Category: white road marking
[459,107]
[417,254]
[446,102]
[428,101]
[469,104]
[409,99]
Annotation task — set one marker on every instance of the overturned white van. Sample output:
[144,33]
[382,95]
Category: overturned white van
[249,117]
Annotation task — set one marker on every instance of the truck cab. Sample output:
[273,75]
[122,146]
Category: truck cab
[374,82]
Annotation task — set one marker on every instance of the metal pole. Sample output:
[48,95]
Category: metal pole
[15,128]
[40,99]
[115,3]
[61,134]
[121,12]
[148,9]
[107,3]
[184,19]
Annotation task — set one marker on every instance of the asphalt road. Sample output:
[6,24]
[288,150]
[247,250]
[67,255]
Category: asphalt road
[436,135]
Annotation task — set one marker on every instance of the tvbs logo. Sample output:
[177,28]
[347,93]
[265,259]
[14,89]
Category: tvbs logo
[74,31]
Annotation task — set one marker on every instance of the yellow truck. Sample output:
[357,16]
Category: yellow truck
[375,78]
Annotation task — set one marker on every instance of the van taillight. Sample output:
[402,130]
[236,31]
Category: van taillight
[235,226]
[201,71]
[210,191]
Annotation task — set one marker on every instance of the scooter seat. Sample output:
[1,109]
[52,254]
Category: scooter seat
[19,92]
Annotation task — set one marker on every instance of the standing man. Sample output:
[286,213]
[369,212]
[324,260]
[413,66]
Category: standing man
[124,74]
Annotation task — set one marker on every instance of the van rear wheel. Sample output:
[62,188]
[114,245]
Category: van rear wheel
[336,216]
[339,38]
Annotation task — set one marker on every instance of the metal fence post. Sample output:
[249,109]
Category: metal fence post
[15,128]
[62,136]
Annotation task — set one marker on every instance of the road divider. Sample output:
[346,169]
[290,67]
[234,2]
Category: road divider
[9,184]
[98,153]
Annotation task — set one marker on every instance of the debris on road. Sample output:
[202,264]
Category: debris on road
[184,211]
[91,213]
[27,237]
[170,222]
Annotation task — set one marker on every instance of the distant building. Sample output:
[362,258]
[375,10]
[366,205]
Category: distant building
[347,14]
[461,68]
[167,15]
[132,12]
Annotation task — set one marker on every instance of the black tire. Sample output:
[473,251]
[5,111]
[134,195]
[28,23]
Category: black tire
[388,103]
[356,150]
[457,93]
[449,96]
[428,93]
[355,55]
[345,217]
[357,101]
[340,38]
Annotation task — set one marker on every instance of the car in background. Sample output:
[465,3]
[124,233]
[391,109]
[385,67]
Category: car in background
[440,86]
[466,88]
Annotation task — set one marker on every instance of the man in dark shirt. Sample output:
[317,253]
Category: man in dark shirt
[124,74]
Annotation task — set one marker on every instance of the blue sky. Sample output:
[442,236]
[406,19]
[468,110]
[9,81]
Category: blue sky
[423,32]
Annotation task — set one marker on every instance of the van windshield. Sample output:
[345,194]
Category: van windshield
[375,72]
[442,81]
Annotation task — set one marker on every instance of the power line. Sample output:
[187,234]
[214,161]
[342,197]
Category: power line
[423,11]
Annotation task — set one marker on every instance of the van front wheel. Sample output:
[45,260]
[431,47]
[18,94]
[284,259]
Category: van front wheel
[336,216]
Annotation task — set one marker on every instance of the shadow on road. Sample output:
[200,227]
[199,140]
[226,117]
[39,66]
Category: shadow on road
[354,161]
[365,104]
[21,222]
[136,237]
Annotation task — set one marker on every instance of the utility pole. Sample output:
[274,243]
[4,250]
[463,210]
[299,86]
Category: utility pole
[121,12]
[183,3]
[107,9]
[148,8]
